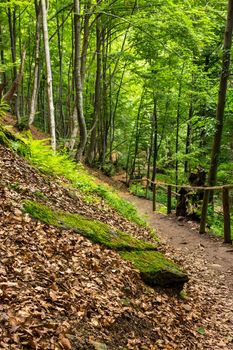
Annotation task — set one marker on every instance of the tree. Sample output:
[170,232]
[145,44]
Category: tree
[212,175]
[49,75]
[78,82]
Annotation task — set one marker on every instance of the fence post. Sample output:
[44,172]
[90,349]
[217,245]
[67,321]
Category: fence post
[147,187]
[226,212]
[169,199]
[204,211]
[154,197]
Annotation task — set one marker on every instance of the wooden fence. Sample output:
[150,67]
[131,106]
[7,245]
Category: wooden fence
[168,189]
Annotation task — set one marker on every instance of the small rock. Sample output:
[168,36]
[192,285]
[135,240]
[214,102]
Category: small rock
[187,307]
[99,346]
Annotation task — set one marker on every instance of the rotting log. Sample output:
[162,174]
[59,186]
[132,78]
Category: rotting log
[156,270]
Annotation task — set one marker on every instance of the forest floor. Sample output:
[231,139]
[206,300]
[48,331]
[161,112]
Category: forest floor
[208,260]
[59,291]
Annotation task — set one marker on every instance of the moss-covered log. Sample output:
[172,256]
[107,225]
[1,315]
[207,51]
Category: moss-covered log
[96,231]
[154,268]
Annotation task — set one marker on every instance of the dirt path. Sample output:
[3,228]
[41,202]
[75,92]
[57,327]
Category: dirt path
[217,257]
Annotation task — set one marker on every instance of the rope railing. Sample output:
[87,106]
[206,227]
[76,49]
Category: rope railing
[167,187]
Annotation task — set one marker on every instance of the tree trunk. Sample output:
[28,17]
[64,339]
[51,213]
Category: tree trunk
[212,176]
[36,82]
[12,29]
[3,80]
[91,151]
[155,135]
[137,136]
[178,126]
[10,93]
[49,76]
[78,82]
[188,136]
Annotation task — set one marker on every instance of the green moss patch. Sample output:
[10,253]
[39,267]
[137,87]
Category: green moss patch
[96,231]
[155,269]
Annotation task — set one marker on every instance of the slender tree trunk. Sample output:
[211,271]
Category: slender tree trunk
[78,82]
[49,75]
[188,136]
[113,116]
[136,139]
[16,83]
[86,29]
[155,132]
[178,126]
[36,82]
[12,29]
[91,151]
[60,91]
[82,63]
[212,175]
[3,80]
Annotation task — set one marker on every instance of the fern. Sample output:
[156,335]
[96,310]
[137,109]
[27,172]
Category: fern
[4,107]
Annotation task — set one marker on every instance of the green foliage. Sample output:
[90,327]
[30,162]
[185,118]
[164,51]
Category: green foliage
[42,156]
[109,169]
[161,195]
[201,331]
[4,107]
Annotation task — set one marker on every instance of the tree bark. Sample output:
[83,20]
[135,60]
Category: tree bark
[49,76]
[212,175]
[155,137]
[78,82]
[10,93]
[91,151]
[36,82]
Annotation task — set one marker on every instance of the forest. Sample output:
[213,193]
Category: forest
[116,174]
[132,86]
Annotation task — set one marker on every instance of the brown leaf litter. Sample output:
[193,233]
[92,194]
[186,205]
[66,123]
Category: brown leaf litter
[60,291]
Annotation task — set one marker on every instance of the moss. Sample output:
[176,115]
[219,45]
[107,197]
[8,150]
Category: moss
[41,212]
[96,231]
[155,269]
[40,195]
[99,232]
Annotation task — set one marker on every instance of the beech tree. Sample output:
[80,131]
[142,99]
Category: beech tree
[49,75]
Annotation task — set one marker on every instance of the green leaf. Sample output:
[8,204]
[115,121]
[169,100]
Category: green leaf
[201,331]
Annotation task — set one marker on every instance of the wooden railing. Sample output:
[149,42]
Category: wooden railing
[167,187]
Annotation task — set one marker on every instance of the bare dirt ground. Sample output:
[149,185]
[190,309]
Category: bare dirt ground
[216,256]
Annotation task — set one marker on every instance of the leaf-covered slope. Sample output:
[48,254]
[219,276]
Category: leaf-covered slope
[42,156]
[60,291]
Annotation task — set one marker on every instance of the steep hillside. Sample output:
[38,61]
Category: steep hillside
[59,290]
